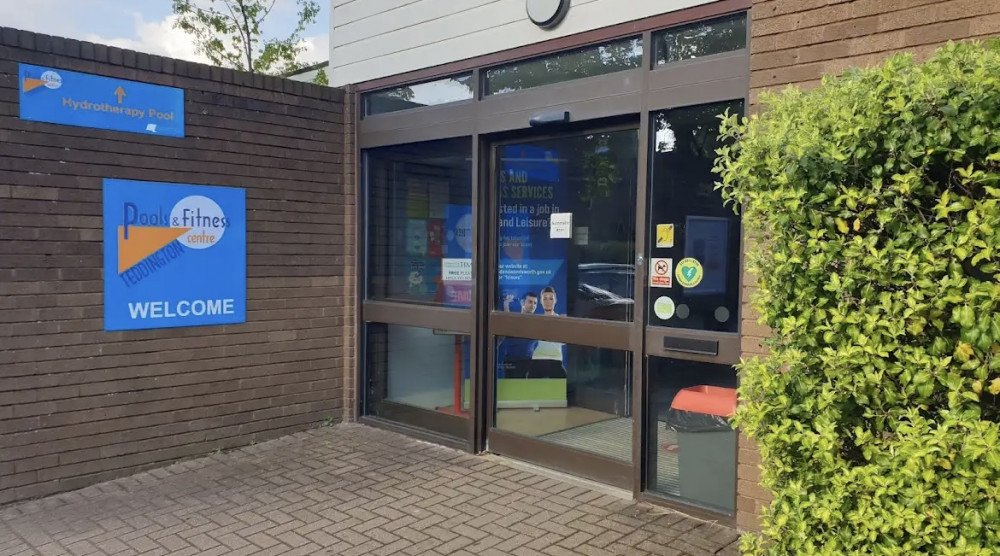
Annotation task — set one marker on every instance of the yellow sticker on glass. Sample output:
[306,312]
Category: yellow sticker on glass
[664,235]
[689,272]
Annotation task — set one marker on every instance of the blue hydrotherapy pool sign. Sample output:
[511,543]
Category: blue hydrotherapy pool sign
[174,255]
[66,97]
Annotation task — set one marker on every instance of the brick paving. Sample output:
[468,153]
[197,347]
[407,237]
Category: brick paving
[351,490]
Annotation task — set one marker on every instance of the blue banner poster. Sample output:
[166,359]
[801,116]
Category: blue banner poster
[174,255]
[532,274]
[530,261]
[81,99]
[456,257]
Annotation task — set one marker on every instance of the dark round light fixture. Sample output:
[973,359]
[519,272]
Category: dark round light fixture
[547,13]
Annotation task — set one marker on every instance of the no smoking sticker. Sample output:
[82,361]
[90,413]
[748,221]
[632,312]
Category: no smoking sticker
[661,273]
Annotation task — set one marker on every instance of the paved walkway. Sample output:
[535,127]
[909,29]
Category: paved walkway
[350,490]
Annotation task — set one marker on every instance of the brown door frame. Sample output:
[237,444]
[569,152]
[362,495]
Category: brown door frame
[578,331]
[722,77]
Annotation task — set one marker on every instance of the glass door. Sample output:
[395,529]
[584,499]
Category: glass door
[418,293]
[692,300]
[561,310]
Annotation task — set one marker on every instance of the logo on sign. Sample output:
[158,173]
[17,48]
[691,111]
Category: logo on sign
[169,257]
[95,101]
[462,233]
[661,271]
[52,79]
[689,273]
[195,222]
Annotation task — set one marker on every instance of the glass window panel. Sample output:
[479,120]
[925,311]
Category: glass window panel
[566,394]
[417,376]
[441,91]
[585,268]
[700,39]
[419,244]
[586,62]
[691,452]
[702,248]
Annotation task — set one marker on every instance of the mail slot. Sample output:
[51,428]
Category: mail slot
[691,345]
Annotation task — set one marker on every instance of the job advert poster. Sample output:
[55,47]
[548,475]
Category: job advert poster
[531,190]
[174,255]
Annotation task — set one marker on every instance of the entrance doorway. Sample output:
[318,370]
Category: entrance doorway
[613,307]
[568,295]
[562,311]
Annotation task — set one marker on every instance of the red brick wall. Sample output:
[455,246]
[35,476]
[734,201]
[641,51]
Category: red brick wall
[797,42]
[79,405]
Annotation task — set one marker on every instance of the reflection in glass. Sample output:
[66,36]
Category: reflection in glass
[419,244]
[417,376]
[701,39]
[566,394]
[566,225]
[586,62]
[441,91]
[691,446]
[689,226]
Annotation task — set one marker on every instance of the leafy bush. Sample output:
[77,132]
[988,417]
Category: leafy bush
[872,202]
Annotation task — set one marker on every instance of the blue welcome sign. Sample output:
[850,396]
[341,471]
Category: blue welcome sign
[174,255]
[79,99]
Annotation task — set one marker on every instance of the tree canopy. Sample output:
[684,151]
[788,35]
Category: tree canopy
[229,33]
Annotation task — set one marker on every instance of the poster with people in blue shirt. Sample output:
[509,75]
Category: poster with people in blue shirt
[532,265]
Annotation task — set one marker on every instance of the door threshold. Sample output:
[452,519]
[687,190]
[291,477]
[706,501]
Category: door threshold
[575,480]
[695,512]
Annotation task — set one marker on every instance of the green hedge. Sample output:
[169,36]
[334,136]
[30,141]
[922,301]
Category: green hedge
[873,204]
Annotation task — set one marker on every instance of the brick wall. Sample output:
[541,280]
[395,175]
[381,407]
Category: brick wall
[79,405]
[797,42]
[351,289]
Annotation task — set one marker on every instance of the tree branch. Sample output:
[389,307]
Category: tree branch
[268,10]
[247,43]
[244,37]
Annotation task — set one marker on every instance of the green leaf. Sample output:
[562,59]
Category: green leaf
[871,207]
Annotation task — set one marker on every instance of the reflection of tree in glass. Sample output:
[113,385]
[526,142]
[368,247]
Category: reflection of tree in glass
[599,170]
[693,133]
[587,62]
[694,129]
[429,93]
[402,93]
[701,39]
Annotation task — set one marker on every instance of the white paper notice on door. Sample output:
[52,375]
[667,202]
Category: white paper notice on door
[456,270]
[561,225]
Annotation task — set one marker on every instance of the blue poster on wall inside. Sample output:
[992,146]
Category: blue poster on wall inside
[456,257]
[65,97]
[174,255]
[532,265]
